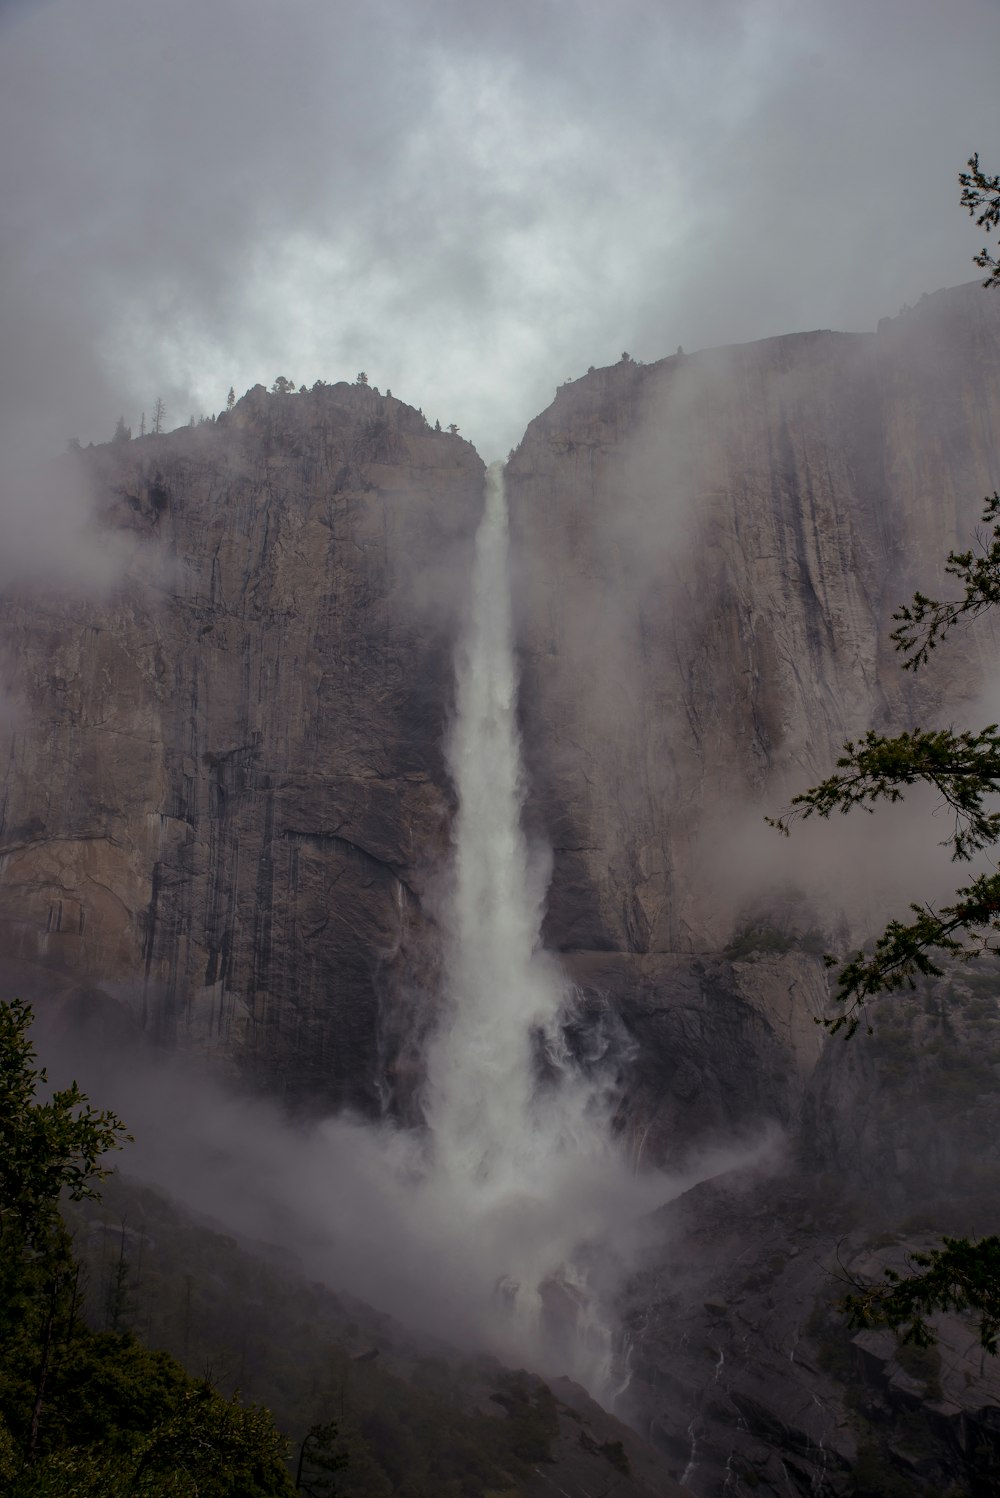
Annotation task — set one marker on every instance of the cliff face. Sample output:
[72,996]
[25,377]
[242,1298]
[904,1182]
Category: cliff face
[710,551]
[223,785]
[224,798]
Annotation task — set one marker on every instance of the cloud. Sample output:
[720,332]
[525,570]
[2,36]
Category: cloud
[471,205]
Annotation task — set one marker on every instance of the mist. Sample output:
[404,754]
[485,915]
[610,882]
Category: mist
[199,199]
[355,1207]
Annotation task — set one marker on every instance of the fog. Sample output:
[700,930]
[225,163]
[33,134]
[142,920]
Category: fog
[357,1208]
[471,205]
[718,558]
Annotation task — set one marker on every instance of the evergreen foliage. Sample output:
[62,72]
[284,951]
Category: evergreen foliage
[45,1147]
[85,1412]
[981,196]
[960,1276]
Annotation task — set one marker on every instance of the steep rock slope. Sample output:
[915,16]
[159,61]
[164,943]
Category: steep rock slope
[222,784]
[710,551]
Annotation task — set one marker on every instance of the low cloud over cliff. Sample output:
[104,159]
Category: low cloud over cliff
[470,205]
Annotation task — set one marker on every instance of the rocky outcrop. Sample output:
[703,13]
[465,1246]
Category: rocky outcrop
[223,785]
[747,1376]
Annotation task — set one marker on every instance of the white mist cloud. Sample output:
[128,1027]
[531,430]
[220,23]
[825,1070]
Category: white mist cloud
[50,535]
[471,205]
[361,1209]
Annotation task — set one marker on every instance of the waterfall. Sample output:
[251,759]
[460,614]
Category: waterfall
[520,1136]
[500,1099]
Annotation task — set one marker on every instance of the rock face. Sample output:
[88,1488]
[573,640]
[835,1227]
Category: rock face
[225,801]
[223,785]
[745,1372]
[712,548]
[710,551]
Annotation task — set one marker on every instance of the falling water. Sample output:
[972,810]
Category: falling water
[518,1130]
[506,1222]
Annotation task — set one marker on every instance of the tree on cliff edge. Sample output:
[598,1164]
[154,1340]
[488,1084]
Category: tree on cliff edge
[964,769]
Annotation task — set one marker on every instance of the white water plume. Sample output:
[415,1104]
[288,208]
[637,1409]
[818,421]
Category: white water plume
[521,1137]
[501,1102]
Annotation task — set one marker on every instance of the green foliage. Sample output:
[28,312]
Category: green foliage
[406,1423]
[981,196]
[963,768]
[203,1446]
[761,937]
[925,622]
[923,1364]
[960,1276]
[874,1476]
[321,1456]
[404,1441]
[903,950]
[612,1451]
[83,1412]
[45,1148]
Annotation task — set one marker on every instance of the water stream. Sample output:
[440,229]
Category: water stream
[520,1132]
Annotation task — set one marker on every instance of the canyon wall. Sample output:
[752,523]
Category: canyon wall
[223,784]
[224,793]
[225,815]
[711,549]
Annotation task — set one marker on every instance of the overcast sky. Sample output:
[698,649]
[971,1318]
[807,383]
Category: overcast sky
[471,201]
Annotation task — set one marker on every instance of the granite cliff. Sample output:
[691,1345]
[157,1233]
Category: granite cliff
[224,793]
[224,785]
[711,551]
[225,805]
